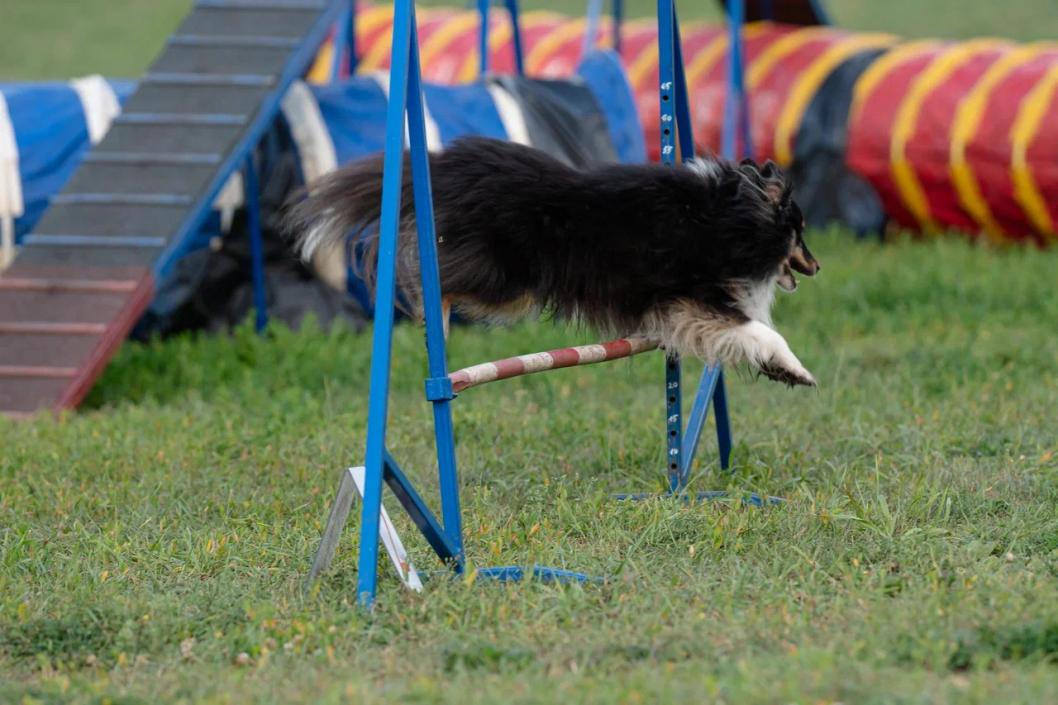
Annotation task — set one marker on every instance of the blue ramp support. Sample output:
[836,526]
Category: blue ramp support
[88,270]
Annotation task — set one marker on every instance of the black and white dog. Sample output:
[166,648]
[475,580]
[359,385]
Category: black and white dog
[689,255]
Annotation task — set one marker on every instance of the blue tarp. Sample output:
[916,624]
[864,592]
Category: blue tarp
[51,135]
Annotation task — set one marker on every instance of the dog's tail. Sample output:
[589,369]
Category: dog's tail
[343,203]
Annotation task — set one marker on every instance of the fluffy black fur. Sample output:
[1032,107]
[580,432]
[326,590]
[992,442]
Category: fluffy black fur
[613,247]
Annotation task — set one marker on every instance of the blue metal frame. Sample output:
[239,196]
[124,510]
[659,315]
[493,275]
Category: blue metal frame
[483,35]
[344,55]
[591,26]
[420,514]
[677,135]
[484,27]
[405,91]
[253,225]
[406,102]
[594,15]
[516,34]
[736,103]
[378,403]
[514,573]
[750,500]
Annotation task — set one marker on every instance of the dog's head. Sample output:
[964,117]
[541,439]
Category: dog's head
[788,218]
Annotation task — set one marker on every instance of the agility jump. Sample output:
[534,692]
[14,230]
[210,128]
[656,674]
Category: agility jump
[446,536]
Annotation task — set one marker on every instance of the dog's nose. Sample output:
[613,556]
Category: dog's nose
[804,263]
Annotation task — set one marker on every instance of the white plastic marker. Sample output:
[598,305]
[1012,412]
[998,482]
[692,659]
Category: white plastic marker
[388,535]
[11,204]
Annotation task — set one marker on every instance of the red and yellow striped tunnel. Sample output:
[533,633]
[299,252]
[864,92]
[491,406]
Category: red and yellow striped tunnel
[951,135]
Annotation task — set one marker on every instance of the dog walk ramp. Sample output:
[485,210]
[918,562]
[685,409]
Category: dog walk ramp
[86,272]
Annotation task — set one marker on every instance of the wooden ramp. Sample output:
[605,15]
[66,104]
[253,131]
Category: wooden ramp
[86,273]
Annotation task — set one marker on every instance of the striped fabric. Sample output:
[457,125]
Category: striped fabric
[45,129]
[551,360]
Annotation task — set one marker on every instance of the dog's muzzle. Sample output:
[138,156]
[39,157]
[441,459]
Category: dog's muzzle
[803,262]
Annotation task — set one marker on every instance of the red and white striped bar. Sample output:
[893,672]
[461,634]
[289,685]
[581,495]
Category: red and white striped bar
[552,360]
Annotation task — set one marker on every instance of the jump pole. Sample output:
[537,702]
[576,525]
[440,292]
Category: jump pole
[551,360]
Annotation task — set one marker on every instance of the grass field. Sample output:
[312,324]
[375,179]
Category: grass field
[149,540]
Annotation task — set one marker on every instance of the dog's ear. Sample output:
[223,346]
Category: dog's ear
[750,170]
[775,185]
[786,200]
[778,193]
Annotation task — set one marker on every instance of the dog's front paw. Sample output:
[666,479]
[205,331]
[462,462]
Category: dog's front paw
[774,358]
[790,376]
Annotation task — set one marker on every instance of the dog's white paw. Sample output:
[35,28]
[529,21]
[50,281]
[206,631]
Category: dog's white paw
[772,355]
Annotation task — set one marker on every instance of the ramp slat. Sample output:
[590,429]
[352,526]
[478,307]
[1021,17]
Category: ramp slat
[171,138]
[55,350]
[197,98]
[97,219]
[248,23]
[26,395]
[121,199]
[215,79]
[87,257]
[179,180]
[95,240]
[151,158]
[59,306]
[233,41]
[222,60]
[220,119]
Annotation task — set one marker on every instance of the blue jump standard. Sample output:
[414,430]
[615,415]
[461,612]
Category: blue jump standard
[445,536]
[750,500]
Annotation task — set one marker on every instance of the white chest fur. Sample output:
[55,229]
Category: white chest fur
[756,298]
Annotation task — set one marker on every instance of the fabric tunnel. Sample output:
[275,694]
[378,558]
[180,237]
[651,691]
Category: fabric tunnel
[926,135]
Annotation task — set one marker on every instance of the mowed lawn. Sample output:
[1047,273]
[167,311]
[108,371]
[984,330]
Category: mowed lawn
[151,539]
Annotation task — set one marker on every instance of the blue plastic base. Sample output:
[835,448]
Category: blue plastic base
[514,573]
[753,499]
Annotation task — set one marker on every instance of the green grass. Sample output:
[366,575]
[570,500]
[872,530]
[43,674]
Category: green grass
[58,39]
[915,561]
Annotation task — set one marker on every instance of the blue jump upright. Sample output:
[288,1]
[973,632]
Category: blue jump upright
[484,6]
[445,536]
